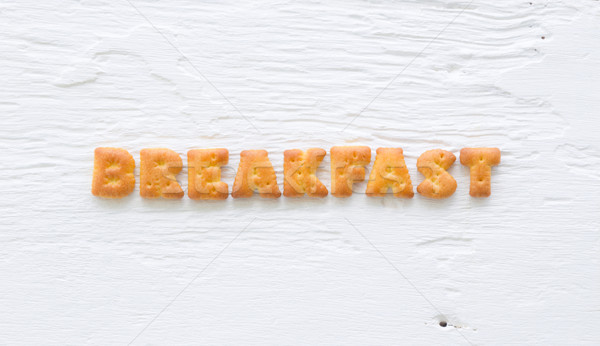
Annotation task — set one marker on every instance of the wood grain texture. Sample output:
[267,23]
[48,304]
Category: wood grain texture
[520,267]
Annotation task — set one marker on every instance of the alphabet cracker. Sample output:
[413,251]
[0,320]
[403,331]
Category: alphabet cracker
[158,168]
[204,173]
[433,165]
[299,171]
[480,162]
[390,171]
[255,173]
[113,173]
[347,167]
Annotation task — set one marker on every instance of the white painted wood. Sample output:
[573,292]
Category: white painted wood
[518,268]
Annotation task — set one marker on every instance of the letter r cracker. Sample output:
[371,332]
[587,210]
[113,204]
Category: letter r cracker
[158,168]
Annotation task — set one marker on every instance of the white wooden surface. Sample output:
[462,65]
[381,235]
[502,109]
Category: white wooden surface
[521,267]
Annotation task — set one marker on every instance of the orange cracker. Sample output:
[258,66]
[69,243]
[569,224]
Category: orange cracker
[158,168]
[255,173]
[113,173]
[347,167]
[433,165]
[480,162]
[204,173]
[390,171]
[299,171]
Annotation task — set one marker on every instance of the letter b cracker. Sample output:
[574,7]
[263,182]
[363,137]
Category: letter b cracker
[113,173]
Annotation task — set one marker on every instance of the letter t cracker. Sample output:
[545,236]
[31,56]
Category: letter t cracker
[158,168]
[204,173]
[480,162]
[347,167]
[299,172]
[113,173]
[390,171]
[255,173]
